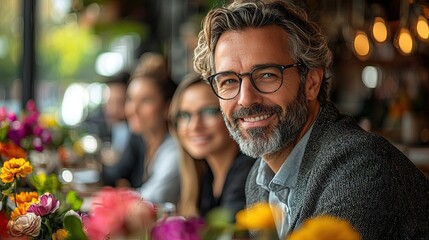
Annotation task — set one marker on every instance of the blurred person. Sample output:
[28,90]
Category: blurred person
[213,170]
[152,62]
[114,115]
[269,66]
[108,122]
[150,162]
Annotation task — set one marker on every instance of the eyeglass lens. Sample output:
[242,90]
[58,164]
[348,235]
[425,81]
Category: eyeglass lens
[208,115]
[265,79]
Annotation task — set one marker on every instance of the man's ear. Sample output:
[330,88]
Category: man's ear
[313,83]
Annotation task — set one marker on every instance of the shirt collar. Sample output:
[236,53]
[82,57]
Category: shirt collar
[287,175]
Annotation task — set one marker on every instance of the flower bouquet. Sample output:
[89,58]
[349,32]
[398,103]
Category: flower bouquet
[18,137]
[33,214]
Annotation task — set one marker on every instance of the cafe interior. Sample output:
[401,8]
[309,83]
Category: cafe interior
[59,52]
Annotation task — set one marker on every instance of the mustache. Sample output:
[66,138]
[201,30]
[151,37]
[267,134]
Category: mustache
[254,110]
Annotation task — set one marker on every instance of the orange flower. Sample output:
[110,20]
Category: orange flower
[325,228]
[10,150]
[23,197]
[20,210]
[15,168]
[60,234]
[257,217]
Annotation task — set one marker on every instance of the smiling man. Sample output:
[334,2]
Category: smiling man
[269,66]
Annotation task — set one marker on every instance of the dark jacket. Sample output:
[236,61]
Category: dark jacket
[233,196]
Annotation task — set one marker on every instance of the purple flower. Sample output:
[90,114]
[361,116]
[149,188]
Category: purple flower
[46,137]
[47,204]
[37,144]
[31,120]
[16,132]
[178,228]
[37,130]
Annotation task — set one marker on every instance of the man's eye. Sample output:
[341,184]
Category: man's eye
[228,82]
[266,75]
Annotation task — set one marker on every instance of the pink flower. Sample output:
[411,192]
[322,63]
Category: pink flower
[139,214]
[3,113]
[31,106]
[25,225]
[12,117]
[47,204]
[112,211]
[178,228]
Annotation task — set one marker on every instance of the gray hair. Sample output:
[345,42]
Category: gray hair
[308,45]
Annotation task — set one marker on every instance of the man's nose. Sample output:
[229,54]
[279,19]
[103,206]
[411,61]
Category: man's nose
[248,95]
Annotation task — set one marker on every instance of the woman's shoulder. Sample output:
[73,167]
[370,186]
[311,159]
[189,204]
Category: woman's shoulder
[244,159]
[243,163]
[169,149]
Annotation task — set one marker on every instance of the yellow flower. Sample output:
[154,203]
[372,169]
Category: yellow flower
[20,210]
[23,197]
[325,228]
[257,217]
[60,234]
[15,168]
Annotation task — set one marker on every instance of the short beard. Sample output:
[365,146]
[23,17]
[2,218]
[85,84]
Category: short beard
[271,139]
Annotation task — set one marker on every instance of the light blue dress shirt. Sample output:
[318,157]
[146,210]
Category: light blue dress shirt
[281,186]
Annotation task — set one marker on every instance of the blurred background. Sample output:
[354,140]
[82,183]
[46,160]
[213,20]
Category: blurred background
[59,52]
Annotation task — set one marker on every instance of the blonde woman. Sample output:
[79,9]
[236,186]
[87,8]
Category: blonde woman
[213,170]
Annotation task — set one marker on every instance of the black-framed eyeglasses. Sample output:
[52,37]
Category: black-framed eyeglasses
[265,79]
[209,116]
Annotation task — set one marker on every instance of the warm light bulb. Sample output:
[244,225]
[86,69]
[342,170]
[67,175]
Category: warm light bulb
[361,44]
[379,30]
[405,41]
[422,28]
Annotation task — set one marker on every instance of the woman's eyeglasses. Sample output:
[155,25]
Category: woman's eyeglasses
[208,115]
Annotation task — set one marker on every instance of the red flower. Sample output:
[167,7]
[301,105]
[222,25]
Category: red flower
[3,225]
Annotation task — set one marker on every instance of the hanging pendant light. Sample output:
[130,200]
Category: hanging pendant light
[405,42]
[379,30]
[361,44]
[422,28]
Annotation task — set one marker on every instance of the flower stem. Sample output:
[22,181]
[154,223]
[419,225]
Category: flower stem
[15,187]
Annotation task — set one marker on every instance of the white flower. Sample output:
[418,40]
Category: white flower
[25,225]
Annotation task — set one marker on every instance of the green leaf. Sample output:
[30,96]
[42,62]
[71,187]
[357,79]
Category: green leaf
[4,129]
[74,200]
[74,227]
[52,184]
[219,218]
[8,188]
